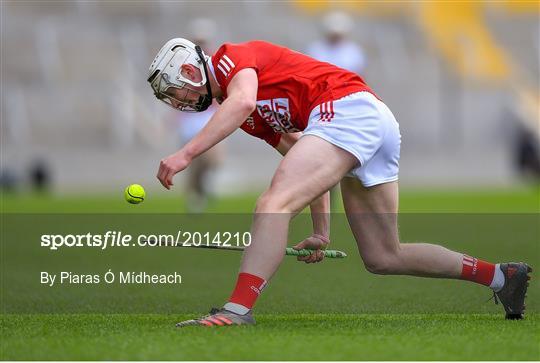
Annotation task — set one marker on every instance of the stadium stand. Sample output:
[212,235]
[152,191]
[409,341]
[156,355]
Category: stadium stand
[75,89]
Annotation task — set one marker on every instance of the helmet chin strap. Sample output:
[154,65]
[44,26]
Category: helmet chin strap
[206,100]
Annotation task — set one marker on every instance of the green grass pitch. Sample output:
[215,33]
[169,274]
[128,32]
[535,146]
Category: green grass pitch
[329,311]
[276,337]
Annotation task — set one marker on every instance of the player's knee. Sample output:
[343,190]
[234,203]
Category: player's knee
[271,202]
[386,265]
[377,267]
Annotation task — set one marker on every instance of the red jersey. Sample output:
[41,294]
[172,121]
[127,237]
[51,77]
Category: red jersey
[291,84]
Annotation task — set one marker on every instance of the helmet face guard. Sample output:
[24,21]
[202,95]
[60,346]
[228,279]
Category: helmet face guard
[168,83]
[180,98]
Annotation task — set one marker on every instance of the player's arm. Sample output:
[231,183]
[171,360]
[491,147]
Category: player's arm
[239,104]
[320,210]
[286,141]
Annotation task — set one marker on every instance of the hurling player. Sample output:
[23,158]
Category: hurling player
[331,128]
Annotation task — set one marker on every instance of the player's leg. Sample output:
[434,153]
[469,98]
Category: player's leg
[310,168]
[372,210]
[372,215]
[301,177]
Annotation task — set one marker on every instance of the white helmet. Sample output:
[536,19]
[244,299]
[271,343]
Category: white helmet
[165,72]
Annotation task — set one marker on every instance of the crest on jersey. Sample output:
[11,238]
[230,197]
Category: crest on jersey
[250,122]
[275,112]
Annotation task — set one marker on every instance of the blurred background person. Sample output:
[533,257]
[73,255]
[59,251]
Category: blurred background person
[198,187]
[8,180]
[524,116]
[336,47]
[39,174]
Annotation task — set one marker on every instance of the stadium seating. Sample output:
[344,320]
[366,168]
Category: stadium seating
[74,81]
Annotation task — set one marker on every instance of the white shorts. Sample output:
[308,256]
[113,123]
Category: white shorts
[364,126]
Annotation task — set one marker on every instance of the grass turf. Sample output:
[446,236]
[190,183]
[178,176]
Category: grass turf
[519,200]
[276,337]
[330,311]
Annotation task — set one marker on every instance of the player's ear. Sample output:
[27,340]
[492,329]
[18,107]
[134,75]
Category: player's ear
[186,71]
[191,72]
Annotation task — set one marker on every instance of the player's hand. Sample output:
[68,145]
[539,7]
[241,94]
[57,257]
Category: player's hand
[315,242]
[170,166]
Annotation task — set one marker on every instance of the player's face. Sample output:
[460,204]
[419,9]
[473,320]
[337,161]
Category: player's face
[188,96]
[183,96]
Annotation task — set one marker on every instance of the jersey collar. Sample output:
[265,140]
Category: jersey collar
[211,67]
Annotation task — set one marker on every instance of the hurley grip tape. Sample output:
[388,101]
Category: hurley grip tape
[327,253]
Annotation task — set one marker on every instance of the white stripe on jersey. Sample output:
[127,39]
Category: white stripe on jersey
[222,70]
[229,60]
[225,65]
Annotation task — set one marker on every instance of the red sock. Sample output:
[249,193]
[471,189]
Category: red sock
[477,270]
[247,290]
